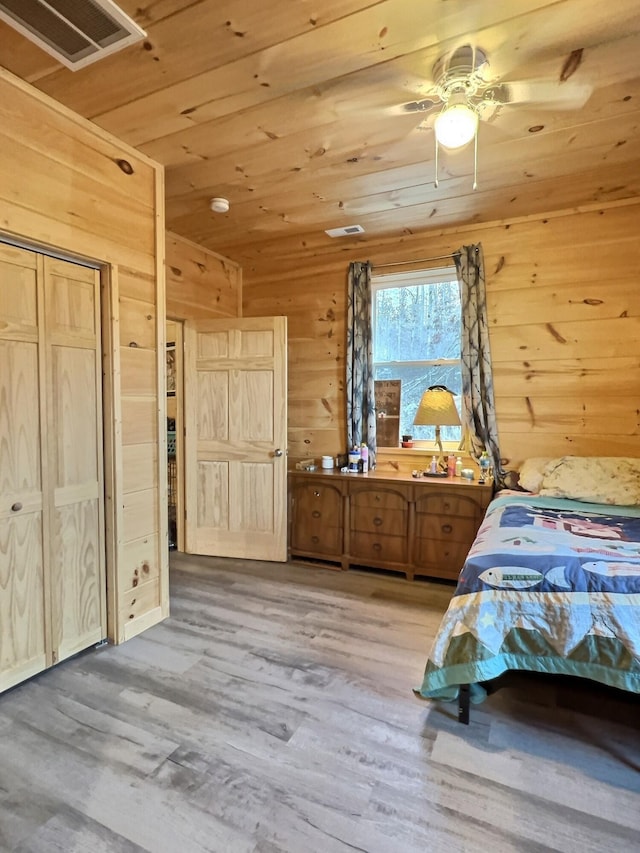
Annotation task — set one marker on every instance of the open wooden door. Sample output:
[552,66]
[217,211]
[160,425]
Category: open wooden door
[235,388]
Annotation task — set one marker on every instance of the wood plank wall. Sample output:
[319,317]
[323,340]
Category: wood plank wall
[68,185]
[200,284]
[564,313]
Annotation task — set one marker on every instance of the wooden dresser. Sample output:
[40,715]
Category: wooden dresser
[390,521]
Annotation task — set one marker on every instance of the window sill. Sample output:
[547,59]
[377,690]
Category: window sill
[418,456]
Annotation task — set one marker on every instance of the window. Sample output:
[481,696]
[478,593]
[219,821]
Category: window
[416,338]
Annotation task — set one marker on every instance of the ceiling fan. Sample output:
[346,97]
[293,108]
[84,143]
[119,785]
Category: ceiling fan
[464,93]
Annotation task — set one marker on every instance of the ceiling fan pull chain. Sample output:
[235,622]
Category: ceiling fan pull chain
[436,144]
[475,160]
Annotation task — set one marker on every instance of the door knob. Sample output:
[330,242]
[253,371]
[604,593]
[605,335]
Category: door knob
[277,452]
[16,507]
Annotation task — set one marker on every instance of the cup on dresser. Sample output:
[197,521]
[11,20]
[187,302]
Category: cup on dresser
[327,462]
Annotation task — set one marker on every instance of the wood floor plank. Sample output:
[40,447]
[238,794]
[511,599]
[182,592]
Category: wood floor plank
[70,832]
[549,779]
[273,712]
[90,730]
[136,810]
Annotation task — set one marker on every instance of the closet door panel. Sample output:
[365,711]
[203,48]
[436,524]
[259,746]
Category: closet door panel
[76,579]
[76,563]
[74,406]
[71,301]
[22,636]
[19,420]
[75,442]
[18,294]
[23,630]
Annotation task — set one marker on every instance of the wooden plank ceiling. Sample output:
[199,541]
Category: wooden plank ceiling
[285,107]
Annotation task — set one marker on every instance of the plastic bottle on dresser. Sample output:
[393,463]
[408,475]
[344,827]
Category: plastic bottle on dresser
[485,465]
[364,456]
[459,466]
[433,468]
[451,466]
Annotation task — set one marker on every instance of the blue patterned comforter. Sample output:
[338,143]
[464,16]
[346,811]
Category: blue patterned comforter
[549,585]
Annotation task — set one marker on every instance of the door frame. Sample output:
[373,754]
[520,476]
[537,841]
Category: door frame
[179,368]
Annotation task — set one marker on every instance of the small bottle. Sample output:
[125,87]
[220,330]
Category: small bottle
[354,459]
[485,464]
[433,468]
[451,466]
[364,456]
[459,466]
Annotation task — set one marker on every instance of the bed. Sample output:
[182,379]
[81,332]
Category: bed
[551,584]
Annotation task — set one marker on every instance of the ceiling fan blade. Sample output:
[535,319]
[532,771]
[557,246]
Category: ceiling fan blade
[422,106]
[415,107]
[488,108]
[558,96]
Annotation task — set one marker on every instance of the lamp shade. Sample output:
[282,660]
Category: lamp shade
[456,125]
[437,408]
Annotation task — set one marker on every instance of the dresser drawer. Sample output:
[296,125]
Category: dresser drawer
[369,547]
[317,539]
[364,497]
[379,520]
[446,528]
[445,505]
[316,502]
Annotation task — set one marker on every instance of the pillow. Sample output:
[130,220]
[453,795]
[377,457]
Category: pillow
[596,479]
[532,472]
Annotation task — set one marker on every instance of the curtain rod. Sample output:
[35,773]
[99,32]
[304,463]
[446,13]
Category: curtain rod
[417,261]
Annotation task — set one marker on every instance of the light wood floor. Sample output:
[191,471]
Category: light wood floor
[273,712]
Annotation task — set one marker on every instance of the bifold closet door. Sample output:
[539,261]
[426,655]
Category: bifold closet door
[52,571]
[74,452]
[24,648]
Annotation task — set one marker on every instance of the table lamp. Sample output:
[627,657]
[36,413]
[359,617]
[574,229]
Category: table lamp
[437,408]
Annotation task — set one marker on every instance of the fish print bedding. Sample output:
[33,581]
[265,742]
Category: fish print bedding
[549,585]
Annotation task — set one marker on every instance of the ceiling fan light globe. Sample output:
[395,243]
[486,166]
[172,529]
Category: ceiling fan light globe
[456,126]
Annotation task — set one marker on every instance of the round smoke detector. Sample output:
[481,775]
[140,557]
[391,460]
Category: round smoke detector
[219,205]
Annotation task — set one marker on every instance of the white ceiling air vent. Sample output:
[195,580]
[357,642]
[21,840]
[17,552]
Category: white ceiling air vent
[346,231]
[75,32]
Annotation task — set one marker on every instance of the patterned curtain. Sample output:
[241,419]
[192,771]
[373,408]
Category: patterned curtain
[479,426]
[361,410]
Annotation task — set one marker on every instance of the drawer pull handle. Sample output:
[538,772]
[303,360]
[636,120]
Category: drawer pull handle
[377,546]
[446,505]
[377,521]
[315,539]
[447,528]
[378,498]
[316,513]
[316,494]
[16,507]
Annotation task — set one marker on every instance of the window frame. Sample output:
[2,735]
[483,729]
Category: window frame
[432,275]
